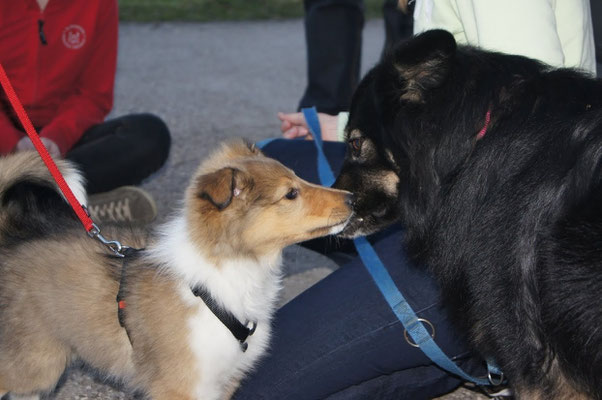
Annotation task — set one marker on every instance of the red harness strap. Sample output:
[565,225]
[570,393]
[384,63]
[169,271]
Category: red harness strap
[33,135]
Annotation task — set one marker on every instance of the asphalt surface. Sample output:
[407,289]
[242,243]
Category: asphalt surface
[214,81]
[211,82]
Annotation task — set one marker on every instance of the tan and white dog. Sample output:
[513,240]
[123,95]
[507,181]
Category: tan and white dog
[211,272]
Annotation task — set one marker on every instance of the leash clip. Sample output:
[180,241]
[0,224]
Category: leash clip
[113,245]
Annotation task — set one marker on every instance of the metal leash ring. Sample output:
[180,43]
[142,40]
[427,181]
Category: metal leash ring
[418,320]
[495,379]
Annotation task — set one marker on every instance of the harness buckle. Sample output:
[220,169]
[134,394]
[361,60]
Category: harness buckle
[252,328]
[115,246]
[243,343]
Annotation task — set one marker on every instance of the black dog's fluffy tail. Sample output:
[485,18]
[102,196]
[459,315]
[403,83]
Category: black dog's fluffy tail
[31,204]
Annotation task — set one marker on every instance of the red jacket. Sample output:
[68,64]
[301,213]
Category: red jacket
[61,63]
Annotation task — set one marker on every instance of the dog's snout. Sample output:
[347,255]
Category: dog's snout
[350,200]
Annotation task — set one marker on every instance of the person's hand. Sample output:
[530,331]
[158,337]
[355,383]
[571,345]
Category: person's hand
[26,144]
[293,126]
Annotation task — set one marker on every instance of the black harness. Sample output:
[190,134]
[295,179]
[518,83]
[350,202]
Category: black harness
[240,331]
[128,254]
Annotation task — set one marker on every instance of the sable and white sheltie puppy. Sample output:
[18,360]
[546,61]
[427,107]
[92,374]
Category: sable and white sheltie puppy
[218,258]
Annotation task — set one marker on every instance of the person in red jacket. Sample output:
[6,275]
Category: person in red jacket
[60,56]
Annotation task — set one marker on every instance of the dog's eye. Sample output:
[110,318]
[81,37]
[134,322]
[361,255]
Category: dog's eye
[356,146]
[292,194]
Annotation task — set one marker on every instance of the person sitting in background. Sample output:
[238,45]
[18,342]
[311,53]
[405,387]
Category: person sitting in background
[340,339]
[333,38]
[61,59]
[557,33]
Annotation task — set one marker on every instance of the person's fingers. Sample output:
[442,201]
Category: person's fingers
[295,132]
[296,118]
[24,144]
[292,133]
[54,151]
[285,126]
[302,131]
[52,147]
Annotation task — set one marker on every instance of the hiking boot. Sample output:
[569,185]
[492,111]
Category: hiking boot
[127,204]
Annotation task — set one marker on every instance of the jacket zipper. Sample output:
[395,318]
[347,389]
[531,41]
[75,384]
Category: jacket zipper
[44,42]
[41,32]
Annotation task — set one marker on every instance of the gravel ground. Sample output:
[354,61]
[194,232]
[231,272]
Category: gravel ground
[210,82]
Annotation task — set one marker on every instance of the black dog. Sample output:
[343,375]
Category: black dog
[494,164]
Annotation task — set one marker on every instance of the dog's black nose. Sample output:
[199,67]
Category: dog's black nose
[350,200]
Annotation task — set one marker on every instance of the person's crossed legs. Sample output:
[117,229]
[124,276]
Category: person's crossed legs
[339,339]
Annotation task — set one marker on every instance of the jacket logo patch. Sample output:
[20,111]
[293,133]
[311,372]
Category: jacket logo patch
[74,37]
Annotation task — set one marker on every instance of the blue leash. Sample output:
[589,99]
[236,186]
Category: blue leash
[402,309]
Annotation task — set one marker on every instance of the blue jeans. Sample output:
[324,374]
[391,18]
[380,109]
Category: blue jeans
[339,339]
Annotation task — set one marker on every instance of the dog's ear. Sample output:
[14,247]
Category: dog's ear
[220,187]
[423,63]
[253,149]
[241,148]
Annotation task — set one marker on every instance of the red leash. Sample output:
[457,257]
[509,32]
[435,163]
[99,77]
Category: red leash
[83,216]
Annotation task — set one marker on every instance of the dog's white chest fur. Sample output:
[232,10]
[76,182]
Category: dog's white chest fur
[246,288]
[219,355]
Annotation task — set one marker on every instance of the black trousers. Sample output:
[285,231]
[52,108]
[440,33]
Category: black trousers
[333,35]
[121,151]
